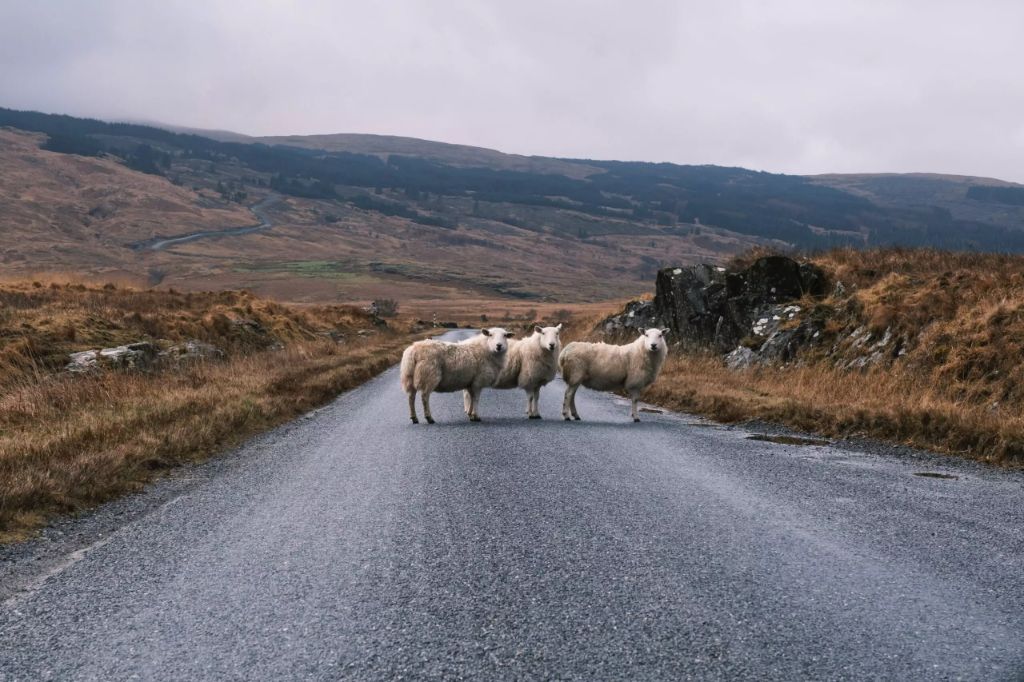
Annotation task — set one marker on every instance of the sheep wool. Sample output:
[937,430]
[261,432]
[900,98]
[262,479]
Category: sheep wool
[441,366]
[532,363]
[605,367]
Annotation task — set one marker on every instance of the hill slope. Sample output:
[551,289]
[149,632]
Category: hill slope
[364,216]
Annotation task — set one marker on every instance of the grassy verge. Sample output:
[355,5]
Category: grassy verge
[891,404]
[70,442]
[941,335]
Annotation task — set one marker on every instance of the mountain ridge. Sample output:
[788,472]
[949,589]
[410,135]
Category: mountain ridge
[414,218]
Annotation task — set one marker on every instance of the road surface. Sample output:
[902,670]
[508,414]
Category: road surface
[258,209]
[352,544]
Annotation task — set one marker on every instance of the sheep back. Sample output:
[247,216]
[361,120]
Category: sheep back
[446,367]
[605,367]
[528,365]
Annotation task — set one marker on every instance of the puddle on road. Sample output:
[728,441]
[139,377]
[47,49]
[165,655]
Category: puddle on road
[787,440]
[936,474]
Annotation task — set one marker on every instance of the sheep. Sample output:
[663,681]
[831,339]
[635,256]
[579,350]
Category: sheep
[471,365]
[532,363]
[603,367]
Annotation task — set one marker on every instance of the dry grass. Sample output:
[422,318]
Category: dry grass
[41,323]
[951,378]
[895,404]
[70,442]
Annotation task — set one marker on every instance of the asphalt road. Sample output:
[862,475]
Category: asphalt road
[258,209]
[352,544]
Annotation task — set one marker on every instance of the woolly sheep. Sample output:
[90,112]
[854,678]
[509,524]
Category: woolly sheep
[604,367]
[471,365]
[532,363]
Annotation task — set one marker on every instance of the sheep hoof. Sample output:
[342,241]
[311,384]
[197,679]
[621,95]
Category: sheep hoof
[430,420]
[636,419]
[534,416]
[415,420]
[474,418]
[576,417]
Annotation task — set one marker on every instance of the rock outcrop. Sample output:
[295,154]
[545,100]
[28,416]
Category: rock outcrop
[141,356]
[191,352]
[709,307]
[134,356]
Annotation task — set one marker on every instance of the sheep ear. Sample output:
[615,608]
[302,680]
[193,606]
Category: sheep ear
[665,330]
[485,332]
[643,330]
[538,329]
[509,335]
[559,327]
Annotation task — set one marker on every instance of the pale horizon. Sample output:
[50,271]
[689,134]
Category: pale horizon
[795,87]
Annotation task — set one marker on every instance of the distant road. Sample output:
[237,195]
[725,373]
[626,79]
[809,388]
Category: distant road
[353,544]
[258,209]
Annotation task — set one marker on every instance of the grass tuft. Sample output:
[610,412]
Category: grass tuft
[71,442]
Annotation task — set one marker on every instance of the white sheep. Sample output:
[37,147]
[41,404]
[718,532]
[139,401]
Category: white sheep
[604,367]
[532,363]
[471,365]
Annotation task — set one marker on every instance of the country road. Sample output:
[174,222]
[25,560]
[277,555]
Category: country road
[352,544]
[258,209]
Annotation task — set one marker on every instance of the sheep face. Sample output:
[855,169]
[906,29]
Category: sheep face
[497,339]
[654,339]
[548,337]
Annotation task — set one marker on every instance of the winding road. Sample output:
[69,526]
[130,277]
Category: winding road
[258,209]
[351,544]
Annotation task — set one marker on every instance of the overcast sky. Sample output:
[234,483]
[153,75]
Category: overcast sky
[800,87]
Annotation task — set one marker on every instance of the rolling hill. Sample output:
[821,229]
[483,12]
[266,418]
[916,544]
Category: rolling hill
[362,216]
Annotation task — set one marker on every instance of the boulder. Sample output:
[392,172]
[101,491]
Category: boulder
[636,315]
[134,356]
[192,351]
[708,307]
[740,358]
[83,362]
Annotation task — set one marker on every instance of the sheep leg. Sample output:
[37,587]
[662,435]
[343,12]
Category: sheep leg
[425,396]
[569,403]
[572,403]
[474,402]
[412,407]
[636,417]
[467,401]
[533,411]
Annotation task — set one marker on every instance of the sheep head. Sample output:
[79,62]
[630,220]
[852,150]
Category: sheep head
[654,338]
[547,337]
[497,339]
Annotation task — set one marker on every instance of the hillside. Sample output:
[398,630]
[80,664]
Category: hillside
[66,212]
[913,345]
[359,216]
[202,372]
[453,154]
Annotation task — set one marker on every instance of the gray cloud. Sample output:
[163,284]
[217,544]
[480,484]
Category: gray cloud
[793,86]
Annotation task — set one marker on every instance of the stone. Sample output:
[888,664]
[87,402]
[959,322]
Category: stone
[192,351]
[740,358]
[83,362]
[709,307]
[133,356]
